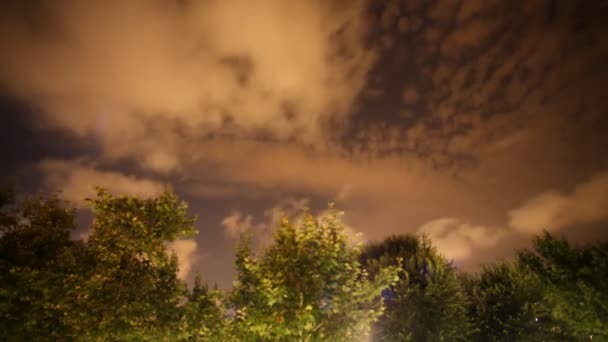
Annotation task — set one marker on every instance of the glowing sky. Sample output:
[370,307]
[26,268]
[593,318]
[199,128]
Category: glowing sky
[477,122]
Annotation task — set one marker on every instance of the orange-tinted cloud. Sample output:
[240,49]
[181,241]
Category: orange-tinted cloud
[458,239]
[126,69]
[552,210]
[185,250]
[76,181]
[403,112]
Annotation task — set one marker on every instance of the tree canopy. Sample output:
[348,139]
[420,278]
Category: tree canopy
[508,303]
[427,304]
[576,279]
[121,284]
[307,286]
[310,283]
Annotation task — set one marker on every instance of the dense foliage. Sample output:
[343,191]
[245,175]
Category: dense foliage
[307,286]
[38,268]
[576,279]
[427,304]
[508,303]
[121,284]
[311,283]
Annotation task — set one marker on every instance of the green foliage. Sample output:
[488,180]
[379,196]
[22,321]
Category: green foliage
[132,290]
[507,301]
[577,283]
[307,286]
[203,318]
[37,262]
[427,304]
[120,285]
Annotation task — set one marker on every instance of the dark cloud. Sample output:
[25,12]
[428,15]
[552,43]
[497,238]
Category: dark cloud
[25,141]
[474,121]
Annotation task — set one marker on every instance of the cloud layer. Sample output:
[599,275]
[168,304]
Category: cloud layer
[476,122]
[458,239]
[77,180]
[549,211]
[185,250]
[553,210]
[126,70]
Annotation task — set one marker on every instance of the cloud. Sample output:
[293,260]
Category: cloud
[295,167]
[263,229]
[185,250]
[344,192]
[458,239]
[553,210]
[76,180]
[539,213]
[446,110]
[380,195]
[150,76]
[485,76]
[238,223]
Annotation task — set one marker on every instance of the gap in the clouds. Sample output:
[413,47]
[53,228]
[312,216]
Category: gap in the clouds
[217,263]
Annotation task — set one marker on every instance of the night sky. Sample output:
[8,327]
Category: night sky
[479,123]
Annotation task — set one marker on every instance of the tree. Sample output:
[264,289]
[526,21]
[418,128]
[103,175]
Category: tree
[427,304]
[507,302]
[307,286]
[577,282]
[132,290]
[203,318]
[121,284]
[37,265]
